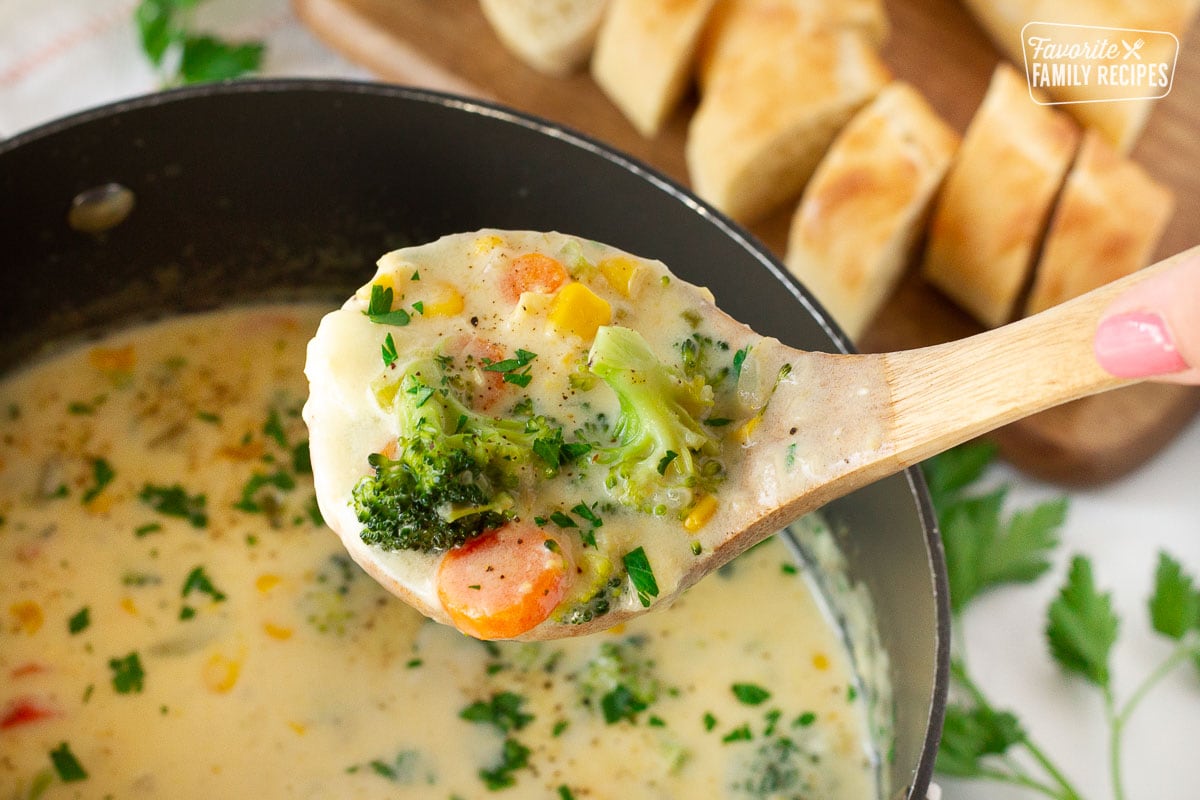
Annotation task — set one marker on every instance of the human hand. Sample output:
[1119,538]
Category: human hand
[1152,330]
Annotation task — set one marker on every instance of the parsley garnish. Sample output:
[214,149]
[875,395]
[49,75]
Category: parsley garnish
[513,756]
[379,308]
[750,694]
[198,582]
[621,703]
[503,712]
[79,621]
[388,351]
[563,520]
[588,514]
[128,676]
[250,501]
[273,428]
[102,475]
[513,370]
[980,737]
[67,765]
[173,501]
[164,29]
[642,576]
[665,461]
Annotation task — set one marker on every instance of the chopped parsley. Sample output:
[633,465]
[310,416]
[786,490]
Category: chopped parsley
[174,501]
[739,734]
[66,764]
[621,704]
[273,428]
[513,756]
[251,500]
[563,520]
[641,574]
[379,308]
[750,694]
[388,351]
[198,582]
[513,370]
[79,621]
[665,461]
[502,712]
[128,676]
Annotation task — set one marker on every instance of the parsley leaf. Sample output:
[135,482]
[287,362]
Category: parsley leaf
[971,734]
[750,694]
[983,550]
[388,351]
[128,676]
[66,764]
[163,29]
[503,712]
[102,475]
[173,501]
[513,756]
[513,370]
[621,703]
[1175,605]
[79,621]
[642,576]
[379,308]
[1082,625]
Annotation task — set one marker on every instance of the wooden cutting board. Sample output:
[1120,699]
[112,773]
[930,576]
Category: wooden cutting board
[934,44]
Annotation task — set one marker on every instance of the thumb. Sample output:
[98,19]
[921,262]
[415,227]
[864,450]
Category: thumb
[1152,330]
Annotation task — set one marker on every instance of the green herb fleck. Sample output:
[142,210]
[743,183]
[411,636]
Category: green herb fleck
[102,475]
[174,501]
[79,621]
[379,308]
[739,734]
[641,574]
[502,711]
[513,756]
[750,694]
[67,765]
[388,351]
[128,676]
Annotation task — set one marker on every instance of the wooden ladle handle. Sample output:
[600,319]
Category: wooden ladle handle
[950,393]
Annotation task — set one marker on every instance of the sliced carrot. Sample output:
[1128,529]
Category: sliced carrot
[532,272]
[23,711]
[504,582]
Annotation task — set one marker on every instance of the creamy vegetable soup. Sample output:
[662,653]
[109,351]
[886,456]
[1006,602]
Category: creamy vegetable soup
[530,435]
[176,621]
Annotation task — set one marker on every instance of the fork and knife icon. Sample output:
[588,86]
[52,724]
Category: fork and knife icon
[1132,49]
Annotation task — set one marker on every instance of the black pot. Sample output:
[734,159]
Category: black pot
[278,189]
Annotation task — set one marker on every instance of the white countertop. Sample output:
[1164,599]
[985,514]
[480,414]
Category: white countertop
[66,55]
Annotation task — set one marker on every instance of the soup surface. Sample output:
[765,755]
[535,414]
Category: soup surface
[176,621]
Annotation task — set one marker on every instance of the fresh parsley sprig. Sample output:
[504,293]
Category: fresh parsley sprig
[185,56]
[983,551]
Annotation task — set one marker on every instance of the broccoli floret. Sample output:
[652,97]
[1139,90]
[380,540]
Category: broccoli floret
[453,470]
[778,768]
[662,454]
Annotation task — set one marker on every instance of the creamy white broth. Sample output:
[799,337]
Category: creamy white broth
[306,679]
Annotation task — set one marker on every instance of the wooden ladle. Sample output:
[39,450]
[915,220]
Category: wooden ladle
[835,423]
[930,399]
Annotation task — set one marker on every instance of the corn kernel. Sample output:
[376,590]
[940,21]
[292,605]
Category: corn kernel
[700,514]
[385,280]
[485,243]
[28,616]
[448,302]
[221,672]
[820,661]
[299,727]
[128,606]
[100,504]
[266,582]
[743,434]
[619,272]
[280,632]
[617,629]
[579,311]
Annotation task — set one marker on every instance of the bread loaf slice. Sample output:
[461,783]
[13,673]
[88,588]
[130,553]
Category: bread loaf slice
[767,117]
[737,27]
[1106,225]
[1120,123]
[552,36]
[644,56]
[993,208]
[865,207]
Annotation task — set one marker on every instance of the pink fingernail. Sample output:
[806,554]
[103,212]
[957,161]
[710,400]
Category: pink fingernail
[1136,344]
